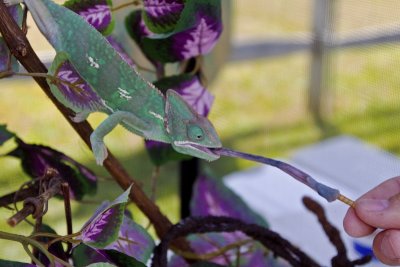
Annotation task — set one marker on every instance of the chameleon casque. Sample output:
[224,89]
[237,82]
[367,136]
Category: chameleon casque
[117,89]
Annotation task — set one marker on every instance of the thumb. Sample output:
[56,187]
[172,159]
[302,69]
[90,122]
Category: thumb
[380,213]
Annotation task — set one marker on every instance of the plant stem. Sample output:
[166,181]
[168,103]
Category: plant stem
[68,216]
[27,241]
[216,253]
[32,256]
[188,172]
[133,3]
[19,195]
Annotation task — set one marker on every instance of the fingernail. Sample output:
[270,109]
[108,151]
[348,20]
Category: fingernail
[390,246]
[372,204]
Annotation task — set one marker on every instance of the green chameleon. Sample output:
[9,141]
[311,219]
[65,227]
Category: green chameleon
[118,89]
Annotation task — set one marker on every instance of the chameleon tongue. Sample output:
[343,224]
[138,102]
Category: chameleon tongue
[330,194]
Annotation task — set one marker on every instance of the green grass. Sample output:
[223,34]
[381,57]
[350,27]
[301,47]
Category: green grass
[260,107]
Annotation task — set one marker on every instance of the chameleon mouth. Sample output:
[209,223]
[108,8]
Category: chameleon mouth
[209,150]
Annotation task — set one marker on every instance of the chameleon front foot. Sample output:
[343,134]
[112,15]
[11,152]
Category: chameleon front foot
[99,150]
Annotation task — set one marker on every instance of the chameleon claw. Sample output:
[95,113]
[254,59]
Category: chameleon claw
[99,150]
[79,117]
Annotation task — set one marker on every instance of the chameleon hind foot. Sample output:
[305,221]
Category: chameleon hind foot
[99,149]
[80,117]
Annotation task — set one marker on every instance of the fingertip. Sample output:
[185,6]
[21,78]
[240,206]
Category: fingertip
[354,226]
[380,213]
[386,247]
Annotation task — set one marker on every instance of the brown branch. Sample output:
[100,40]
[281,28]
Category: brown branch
[68,213]
[36,206]
[21,215]
[341,259]
[22,50]
[19,195]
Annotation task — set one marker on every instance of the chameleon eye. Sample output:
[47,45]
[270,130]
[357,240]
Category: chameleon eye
[195,133]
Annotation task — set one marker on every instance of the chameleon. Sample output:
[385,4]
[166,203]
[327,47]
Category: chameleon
[117,89]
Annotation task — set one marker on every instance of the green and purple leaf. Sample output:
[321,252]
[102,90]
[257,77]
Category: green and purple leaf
[104,227]
[7,60]
[84,255]
[212,197]
[133,240]
[97,13]
[161,16]
[101,264]
[5,134]
[121,259]
[36,159]
[195,34]
[136,26]
[138,30]
[80,97]
[6,263]
[191,90]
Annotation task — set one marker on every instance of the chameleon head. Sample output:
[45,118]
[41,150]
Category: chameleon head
[190,133]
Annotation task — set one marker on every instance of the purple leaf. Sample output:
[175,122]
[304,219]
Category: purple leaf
[80,96]
[84,255]
[5,56]
[162,15]
[192,91]
[36,159]
[7,61]
[103,228]
[212,197]
[199,40]
[133,240]
[5,134]
[136,26]
[101,264]
[6,263]
[138,30]
[196,33]
[121,51]
[196,95]
[95,12]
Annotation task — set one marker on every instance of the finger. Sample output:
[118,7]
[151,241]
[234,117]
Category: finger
[354,226]
[379,213]
[385,190]
[386,247]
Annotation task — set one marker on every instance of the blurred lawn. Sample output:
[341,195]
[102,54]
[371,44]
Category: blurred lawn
[260,107]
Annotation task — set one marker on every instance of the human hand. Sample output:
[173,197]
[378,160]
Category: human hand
[378,209]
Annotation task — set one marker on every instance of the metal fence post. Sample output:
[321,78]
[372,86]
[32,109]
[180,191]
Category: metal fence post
[322,34]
